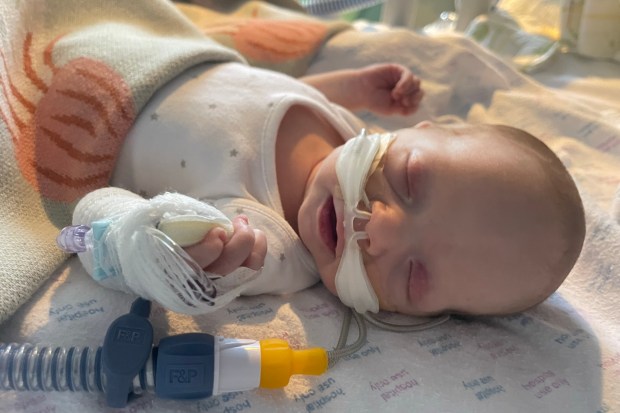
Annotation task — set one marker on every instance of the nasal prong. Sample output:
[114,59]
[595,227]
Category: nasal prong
[359,221]
[361,214]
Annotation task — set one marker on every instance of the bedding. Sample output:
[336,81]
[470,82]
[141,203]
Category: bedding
[562,356]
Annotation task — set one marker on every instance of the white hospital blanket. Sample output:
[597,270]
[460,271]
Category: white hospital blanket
[563,356]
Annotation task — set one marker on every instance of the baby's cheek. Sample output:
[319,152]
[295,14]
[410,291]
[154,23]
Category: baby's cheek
[328,277]
[386,306]
[386,303]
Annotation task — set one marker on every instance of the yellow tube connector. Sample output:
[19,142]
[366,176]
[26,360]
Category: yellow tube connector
[279,362]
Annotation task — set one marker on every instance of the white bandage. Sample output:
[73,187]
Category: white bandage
[358,159]
[139,248]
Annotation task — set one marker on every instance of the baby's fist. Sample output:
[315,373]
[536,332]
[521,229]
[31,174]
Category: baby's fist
[220,254]
[391,88]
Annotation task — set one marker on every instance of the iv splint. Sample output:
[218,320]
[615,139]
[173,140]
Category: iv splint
[358,159]
[136,245]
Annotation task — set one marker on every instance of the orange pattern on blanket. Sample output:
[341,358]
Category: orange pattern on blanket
[274,40]
[66,141]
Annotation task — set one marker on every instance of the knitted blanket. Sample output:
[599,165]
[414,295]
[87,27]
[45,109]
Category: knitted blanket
[74,75]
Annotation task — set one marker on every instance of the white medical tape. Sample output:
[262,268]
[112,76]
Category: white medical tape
[357,160]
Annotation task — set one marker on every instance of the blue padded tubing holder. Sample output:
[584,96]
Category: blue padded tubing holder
[127,346]
[185,366]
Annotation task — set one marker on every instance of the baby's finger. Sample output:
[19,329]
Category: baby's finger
[256,260]
[417,98]
[411,103]
[236,250]
[407,85]
[209,249]
[413,99]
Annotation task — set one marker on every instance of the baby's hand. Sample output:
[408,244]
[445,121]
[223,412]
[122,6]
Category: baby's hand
[391,88]
[218,254]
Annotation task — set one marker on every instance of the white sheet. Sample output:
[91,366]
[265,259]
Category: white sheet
[563,356]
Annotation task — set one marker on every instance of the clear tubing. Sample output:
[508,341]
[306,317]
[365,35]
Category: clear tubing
[26,367]
[342,349]
[75,238]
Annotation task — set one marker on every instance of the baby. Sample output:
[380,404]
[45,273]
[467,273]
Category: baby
[477,219]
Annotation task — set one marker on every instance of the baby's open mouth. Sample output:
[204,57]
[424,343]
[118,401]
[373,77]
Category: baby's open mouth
[327,224]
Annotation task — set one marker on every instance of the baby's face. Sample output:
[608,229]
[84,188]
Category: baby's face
[460,222]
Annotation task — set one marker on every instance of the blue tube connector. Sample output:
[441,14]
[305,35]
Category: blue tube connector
[127,347]
[185,366]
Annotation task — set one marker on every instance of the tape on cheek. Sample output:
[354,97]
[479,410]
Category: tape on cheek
[357,160]
[352,283]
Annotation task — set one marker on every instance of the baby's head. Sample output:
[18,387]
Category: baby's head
[477,219]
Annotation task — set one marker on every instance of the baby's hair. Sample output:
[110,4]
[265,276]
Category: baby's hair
[560,189]
[563,193]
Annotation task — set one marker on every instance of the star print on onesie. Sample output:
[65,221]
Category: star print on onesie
[228,155]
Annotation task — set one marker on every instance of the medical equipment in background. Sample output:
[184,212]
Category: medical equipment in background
[588,27]
[331,7]
[592,27]
[413,14]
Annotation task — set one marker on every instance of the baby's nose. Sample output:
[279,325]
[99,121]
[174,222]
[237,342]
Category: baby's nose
[382,230]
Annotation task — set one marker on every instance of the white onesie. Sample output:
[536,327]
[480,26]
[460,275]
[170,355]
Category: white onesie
[210,133]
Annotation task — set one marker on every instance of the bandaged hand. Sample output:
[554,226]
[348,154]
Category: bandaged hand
[221,254]
[389,89]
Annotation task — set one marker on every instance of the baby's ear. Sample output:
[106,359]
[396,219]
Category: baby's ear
[424,124]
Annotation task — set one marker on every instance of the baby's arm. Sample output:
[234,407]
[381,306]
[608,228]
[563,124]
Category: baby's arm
[384,88]
[219,254]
